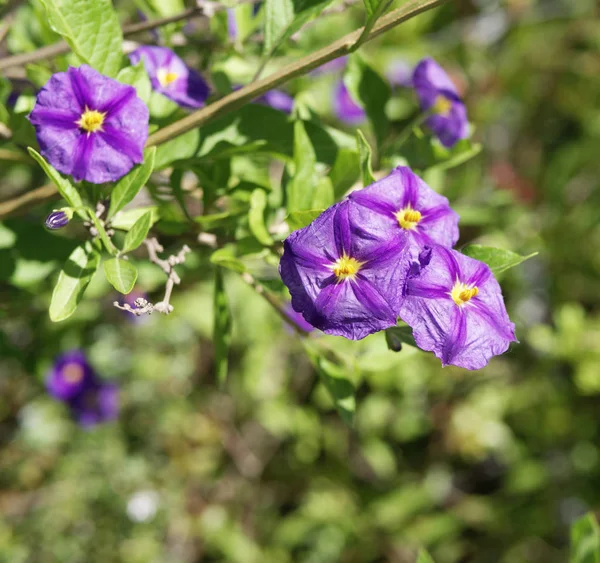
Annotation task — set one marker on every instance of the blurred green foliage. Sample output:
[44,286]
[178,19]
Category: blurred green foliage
[484,467]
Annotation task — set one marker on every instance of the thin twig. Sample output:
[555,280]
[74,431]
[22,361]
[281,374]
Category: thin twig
[244,95]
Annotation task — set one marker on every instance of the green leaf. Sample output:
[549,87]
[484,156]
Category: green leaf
[300,219]
[120,274]
[67,190]
[124,220]
[138,232]
[370,91]
[424,557]
[364,151]
[137,77]
[129,186]
[73,280]
[92,30]
[395,336]
[224,257]
[374,7]
[300,189]
[345,171]
[339,386]
[256,217]
[284,17]
[108,244]
[497,259]
[221,328]
[585,540]
[323,195]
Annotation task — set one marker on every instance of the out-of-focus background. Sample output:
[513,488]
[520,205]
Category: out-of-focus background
[483,467]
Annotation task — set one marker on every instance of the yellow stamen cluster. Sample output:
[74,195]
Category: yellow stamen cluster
[91,120]
[73,373]
[408,218]
[166,77]
[346,267]
[442,105]
[462,294]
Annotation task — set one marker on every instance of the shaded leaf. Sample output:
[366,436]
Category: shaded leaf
[300,189]
[137,77]
[497,259]
[120,274]
[221,328]
[365,154]
[256,217]
[73,280]
[345,171]
[395,336]
[224,257]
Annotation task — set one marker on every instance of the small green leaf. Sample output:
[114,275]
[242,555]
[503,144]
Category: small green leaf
[108,244]
[585,540]
[300,189]
[256,217]
[120,274]
[364,150]
[424,557]
[92,30]
[224,257]
[497,259]
[221,328]
[129,186]
[371,91]
[138,232]
[137,77]
[67,190]
[124,220]
[300,219]
[73,280]
[339,386]
[395,336]
[345,171]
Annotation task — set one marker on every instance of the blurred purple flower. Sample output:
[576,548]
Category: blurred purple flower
[344,107]
[455,307]
[90,126]
[400,73]
[298,319]
[336,65]
[70,374]
[171,77]
[59,218]
[403,202]
[437,94]
[97,403]
[342,278]
[232,29]
[277,99]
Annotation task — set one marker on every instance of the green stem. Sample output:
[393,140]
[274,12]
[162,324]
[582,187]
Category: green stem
[405,134]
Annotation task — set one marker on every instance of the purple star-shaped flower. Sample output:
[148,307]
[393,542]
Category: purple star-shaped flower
[437,94]
[69,375]
[96,404]
[455,307]
[402,202]
[90,126]
[171,77]
[342,278]
[344,107]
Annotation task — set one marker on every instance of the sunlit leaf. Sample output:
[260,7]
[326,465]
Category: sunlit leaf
[121,274]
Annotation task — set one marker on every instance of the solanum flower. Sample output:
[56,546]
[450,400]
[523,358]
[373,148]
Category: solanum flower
[403,202]
[455,307]
[90,126]
[171,77]
[70,373]
[344,107]
[438,95]
[59,218]
[343,279]
[96,404]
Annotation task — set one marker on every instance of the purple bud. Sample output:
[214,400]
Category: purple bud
[59,218]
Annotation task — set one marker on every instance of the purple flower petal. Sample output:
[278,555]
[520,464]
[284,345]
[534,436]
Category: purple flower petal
[171,77]
[344,107]
[70,374]
[74,110]
[462,324]
[277,99]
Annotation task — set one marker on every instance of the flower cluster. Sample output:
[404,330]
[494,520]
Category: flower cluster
[386,252]
[73,381]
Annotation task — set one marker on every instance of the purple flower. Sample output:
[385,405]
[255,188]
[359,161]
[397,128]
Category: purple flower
[277,99]
[70,374]
[90,126]
[343,279]
[232,29]
[298,319]
[97,403]
[344,107]
[454,305]
[402,202]
[400,73]
[437,94]
[171,77]
[59,218]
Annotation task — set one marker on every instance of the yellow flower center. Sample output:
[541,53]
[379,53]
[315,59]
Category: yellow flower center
[91,120]
[462,294]
[73,373]
[408,218]
[166,77]
[442,105]
[346,267]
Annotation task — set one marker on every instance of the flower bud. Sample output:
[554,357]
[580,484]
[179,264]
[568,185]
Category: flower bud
[59,218]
